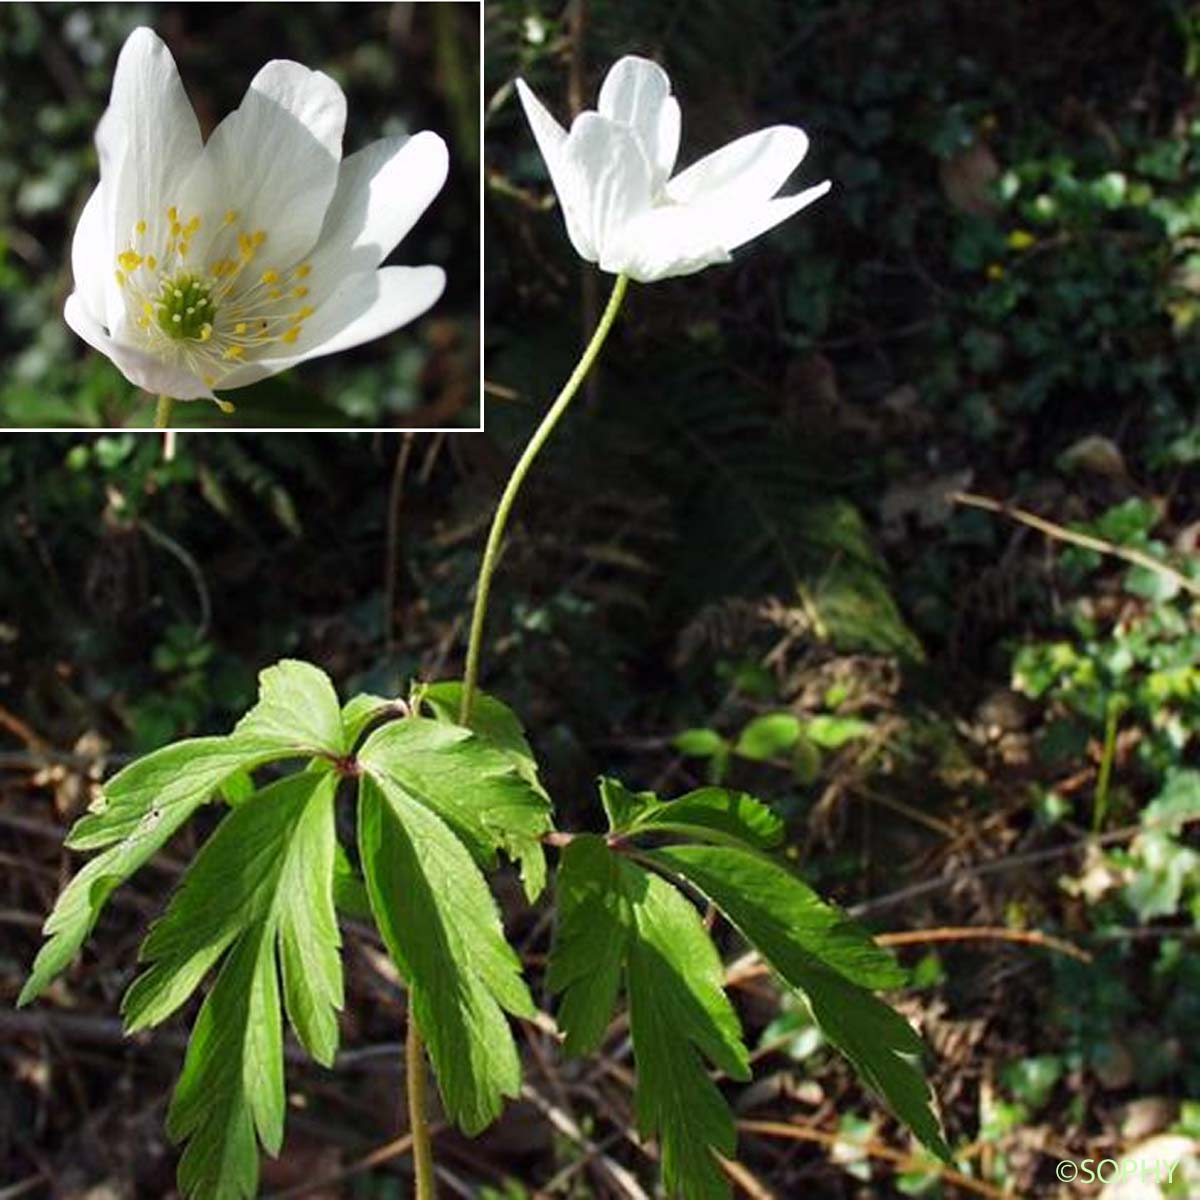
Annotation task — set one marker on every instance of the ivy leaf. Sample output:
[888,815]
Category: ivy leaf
[832,732]
[141,808]
[698,743]
[495,724]
[709,814]
[826,957]
[297,711]
[442,928]
[614,914]
[473,787]
[768,736]
[269,863]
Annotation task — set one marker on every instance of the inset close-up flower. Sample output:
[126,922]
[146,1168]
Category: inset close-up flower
[209,205]
[204,266]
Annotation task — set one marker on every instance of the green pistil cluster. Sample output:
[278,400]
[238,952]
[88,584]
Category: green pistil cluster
[183,308]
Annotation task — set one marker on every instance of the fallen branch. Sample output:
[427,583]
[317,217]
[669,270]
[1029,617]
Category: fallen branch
[1061,534]
[905,1162]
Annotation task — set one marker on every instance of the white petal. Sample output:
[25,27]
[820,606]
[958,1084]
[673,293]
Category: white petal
[142,370]
[550,137]
[274,160]
[664,242]
[92,255]
[604,161]
[669,122]
[752,168]
[364,307]
[635,93]
[148,141]
[381,192]
[741,225]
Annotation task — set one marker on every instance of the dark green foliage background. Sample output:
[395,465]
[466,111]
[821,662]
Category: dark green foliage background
[1005,268]
[403,68]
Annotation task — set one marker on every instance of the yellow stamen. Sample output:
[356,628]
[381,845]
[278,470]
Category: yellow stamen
[140,227]
[129,259]
[230,216]
[259,237]
[152,262]
[225,407]
[306,312]
[235,352]
[172,214]
[291,335]
[300,292]
[240,327]
[120,279]
[270,276]
[275,294]
[303,270]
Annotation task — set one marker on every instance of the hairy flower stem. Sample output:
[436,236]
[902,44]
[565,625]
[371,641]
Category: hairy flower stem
[162,413]
[418,1118]
[491,553]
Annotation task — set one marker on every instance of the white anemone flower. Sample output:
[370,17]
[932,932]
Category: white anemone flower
[202,265]
[623,210]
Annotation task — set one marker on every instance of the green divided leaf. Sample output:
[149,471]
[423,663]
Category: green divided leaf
[677,1006]
[829,959]
[142,807]
[260,892]
[492,721]
[708,814]
[442,928]
[360,711]
[476,789]
[614,914]
[779,914]
[297,711]
[495,724]
[594,924]
[232,1081]
[269,863]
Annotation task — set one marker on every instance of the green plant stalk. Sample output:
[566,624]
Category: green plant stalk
[1100,804]
[541,435]
[162,412]
[417,1081]
[414,1049]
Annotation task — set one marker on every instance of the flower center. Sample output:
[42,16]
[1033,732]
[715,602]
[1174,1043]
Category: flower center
[184,307]
[210,307]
